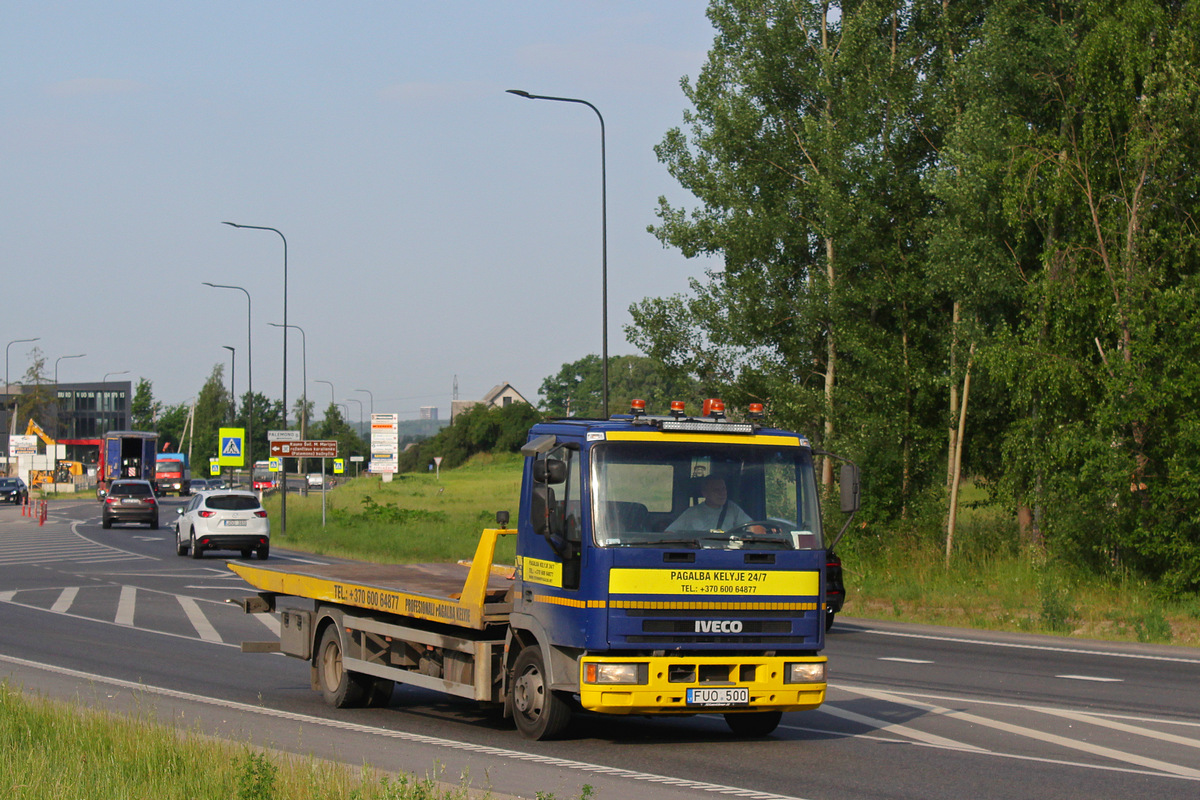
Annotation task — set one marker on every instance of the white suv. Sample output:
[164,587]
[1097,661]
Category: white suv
[223,520]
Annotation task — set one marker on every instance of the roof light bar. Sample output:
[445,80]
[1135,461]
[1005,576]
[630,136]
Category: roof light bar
[705,426]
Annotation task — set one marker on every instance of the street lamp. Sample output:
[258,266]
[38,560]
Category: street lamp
[360,410]
[10,344]
[603,236]
[57,410]
[104,398]
[283,462]
[304,376]
[249,373]
[317,380]
[368,391]
[232,376]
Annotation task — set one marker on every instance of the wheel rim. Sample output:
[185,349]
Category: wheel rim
[529,696]
[331,666]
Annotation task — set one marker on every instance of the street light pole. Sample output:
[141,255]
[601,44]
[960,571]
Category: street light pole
[57,410]
[360,410]
[304,376]
[249,374]
[232,377]
[282,461]
[318,380]
[102,392]
[6,390]
[368,391]
[603,236]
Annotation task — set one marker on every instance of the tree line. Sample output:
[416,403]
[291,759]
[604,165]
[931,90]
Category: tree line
[957,238]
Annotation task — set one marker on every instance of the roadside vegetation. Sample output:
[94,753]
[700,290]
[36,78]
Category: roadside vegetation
[51,750]
[895,573]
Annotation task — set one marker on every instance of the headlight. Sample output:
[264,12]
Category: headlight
[612,673]
[806,672]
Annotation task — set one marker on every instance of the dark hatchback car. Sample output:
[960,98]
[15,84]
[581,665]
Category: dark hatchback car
[835,589]
[130,501]
[13,490]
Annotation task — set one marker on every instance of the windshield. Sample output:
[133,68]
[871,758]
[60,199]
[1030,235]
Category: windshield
[704,495]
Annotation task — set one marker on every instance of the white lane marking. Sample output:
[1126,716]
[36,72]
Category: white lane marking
[1030,733]
[906,660]
[496,752]
[125,605]
[200,622]
[6,597]
[1094,678]
[1092,719]
[65,599]
[270,620]
[1041,647]
[902,730]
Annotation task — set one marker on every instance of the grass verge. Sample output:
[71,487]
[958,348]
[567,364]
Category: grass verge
[51,750]
[895,575]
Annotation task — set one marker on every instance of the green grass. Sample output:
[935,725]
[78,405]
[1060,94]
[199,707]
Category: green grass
[51,750]
[896,574]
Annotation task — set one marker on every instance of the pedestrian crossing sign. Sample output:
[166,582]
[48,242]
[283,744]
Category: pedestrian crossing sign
[231,453]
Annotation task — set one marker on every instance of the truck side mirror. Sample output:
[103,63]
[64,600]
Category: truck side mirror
[849,488]
[549,471]
[543,515]
[502,519]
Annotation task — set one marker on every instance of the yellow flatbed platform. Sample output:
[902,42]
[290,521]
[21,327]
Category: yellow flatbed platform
[469,595]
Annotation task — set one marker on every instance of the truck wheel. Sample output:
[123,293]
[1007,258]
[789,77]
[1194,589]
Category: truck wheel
[754,723]
[540,714]
[340,687]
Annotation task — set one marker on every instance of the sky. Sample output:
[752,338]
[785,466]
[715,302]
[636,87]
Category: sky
[438,228]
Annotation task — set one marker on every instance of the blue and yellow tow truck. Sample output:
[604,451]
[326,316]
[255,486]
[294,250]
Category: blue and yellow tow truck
[666,564]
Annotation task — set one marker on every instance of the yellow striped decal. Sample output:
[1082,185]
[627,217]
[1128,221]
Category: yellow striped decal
[665,605]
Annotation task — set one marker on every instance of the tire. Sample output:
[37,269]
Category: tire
[196,551]
[154,524]
[379,695]
[340,687]
[753,724]
[539,713]
[829,615]
[264,552]
[105,523]
[181,549]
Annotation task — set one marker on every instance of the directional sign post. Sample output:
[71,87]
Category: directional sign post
[311,448]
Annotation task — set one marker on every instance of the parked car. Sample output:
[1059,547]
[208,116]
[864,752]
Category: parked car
[130,501]
[835,589]
[223,520]
[13,490]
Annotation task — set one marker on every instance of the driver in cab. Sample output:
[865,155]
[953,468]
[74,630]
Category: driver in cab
[716,513]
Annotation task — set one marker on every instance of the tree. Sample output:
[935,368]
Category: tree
[268,416]
[211,413]
[334,426]
[575,391]
[35,403]
[144,409]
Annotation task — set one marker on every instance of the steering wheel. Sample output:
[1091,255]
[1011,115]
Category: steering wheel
[758,527]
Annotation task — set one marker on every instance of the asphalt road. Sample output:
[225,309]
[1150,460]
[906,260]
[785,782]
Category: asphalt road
[116,620]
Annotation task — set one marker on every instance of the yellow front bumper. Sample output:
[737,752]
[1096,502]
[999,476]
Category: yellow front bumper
[762,676]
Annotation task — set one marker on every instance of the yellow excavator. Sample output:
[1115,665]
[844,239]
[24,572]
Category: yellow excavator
[63,469]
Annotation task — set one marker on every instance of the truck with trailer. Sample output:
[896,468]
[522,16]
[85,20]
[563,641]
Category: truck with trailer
[172,474]
[613,606]
[126,454]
